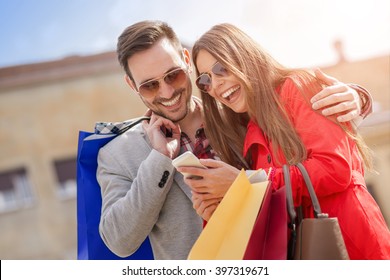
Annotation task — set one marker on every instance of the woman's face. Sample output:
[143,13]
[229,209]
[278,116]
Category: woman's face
[219,83]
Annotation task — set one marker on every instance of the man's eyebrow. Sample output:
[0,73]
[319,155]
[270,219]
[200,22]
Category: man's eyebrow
[155,78]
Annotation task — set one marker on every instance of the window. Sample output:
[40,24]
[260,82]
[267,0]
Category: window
[15,190]
[66,176]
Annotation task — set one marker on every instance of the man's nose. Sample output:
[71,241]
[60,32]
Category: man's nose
[166,91]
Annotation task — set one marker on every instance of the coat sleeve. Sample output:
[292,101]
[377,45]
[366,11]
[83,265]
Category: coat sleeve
[132,195]
[330,152]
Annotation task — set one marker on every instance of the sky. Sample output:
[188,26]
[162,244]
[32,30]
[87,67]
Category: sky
[298,33]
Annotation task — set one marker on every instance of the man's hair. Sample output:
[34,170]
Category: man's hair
[142,36]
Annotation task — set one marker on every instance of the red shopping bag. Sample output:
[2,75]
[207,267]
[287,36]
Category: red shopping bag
[268,240]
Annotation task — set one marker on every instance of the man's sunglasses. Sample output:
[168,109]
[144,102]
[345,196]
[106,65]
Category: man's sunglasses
[173,78]
[204,81]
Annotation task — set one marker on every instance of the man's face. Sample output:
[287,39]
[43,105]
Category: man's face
[170,100]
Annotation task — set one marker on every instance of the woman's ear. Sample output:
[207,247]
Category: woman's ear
[130,83]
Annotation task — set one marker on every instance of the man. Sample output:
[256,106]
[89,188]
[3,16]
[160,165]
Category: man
[142,195]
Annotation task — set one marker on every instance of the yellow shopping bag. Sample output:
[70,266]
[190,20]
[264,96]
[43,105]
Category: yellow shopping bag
[227,233]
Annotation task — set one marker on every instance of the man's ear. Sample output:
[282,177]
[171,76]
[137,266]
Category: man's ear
[187,59]
[130,83]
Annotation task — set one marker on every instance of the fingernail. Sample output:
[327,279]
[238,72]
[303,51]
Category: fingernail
[315,106]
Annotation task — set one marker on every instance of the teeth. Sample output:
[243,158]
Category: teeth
[230,91]
[172,102]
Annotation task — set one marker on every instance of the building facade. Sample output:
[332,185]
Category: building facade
[42,108]
[374,75]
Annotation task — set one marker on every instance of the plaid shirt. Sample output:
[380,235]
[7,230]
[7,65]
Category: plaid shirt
[201,148]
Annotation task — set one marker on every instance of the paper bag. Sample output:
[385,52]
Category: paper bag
[227,233]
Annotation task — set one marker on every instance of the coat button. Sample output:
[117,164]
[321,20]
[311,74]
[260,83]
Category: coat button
[269,158]
[163,180]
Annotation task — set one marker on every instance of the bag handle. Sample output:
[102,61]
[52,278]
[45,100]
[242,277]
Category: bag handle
[130,125]
[290,202]
[117,128]
[289,197]
[291,212]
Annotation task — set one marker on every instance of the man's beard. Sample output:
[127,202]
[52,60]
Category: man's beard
[156,103]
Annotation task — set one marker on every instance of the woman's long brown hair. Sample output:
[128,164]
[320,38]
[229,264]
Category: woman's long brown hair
[260,74]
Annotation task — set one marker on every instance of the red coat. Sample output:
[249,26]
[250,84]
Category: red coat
[336,171]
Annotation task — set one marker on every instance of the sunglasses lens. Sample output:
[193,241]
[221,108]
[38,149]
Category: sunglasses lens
[219,69]
[149,88]
[173,78]
[203,82]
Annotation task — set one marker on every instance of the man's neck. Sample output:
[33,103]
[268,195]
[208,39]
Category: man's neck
[192,122]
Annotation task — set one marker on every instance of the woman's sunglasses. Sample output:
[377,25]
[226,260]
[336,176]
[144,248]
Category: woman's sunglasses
[173,78]
[204,81]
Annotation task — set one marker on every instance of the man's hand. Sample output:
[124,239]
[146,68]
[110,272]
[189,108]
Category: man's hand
[169,146]
[337,98]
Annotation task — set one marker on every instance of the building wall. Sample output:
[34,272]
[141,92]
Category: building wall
[378,139]
[39,124]
[374,75]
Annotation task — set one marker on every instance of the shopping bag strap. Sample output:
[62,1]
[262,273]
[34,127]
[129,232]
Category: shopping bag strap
[289,197]
[290,205]
[314,200]
[290,202]
[117,127]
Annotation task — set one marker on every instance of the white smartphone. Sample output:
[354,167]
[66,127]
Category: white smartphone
[187,159]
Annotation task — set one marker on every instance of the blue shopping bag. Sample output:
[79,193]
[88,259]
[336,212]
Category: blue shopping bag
[90,246]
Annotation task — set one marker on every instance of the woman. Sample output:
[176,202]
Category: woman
[258,115]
